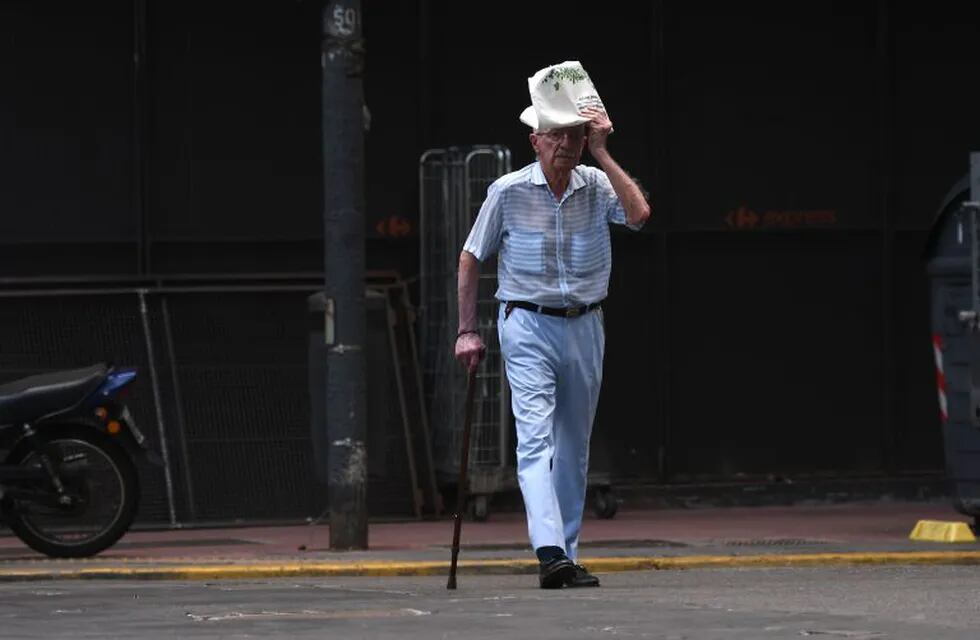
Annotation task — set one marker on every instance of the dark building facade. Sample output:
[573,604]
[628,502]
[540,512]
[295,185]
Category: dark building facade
[772,317]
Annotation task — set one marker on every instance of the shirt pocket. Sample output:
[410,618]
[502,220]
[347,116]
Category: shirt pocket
[586,252]
[525,251]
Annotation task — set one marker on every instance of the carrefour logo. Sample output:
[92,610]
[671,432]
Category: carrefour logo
[744,218]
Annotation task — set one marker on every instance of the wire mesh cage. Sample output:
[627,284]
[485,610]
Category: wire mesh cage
[452,185]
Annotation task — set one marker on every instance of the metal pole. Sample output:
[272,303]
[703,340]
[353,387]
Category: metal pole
[140,137]
[342,63]
[157,404]
[179,409]
[885,97]
[403,407]
[974,231]
[663,206]
[423,412]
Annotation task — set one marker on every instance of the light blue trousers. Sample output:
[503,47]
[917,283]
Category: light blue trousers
[554,366]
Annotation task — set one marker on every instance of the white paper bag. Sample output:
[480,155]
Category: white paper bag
[558,95]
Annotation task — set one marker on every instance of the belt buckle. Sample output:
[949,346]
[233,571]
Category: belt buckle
[574,312]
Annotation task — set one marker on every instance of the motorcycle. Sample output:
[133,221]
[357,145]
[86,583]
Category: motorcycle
[68,485]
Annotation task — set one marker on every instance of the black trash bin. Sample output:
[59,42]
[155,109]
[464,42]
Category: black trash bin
[953,253]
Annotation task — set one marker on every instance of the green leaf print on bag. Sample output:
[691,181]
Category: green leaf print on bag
[569,74]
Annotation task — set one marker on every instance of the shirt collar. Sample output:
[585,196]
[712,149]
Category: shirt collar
[537,177]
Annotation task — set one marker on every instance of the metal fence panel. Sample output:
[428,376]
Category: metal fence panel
[240,358]
[42,332]
[452,185]
[222,393]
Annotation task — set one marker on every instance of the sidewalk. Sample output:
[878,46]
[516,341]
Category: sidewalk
[871,532]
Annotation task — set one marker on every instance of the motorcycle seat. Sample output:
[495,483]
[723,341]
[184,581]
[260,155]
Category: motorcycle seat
[29,399]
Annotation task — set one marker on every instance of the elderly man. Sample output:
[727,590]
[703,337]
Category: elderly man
[550,224]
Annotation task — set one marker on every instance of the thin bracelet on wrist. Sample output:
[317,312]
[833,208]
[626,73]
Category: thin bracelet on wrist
[463,333]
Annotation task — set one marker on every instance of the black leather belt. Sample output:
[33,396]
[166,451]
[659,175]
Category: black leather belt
[561,312]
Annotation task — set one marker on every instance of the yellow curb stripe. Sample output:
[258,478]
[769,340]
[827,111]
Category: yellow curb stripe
[432,568]
[783,560]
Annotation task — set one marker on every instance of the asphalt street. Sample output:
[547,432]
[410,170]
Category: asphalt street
[862,602]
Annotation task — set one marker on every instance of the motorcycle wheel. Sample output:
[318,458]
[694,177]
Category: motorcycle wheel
[102,481]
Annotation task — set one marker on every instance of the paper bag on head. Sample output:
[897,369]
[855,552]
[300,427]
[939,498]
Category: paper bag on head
[558,95]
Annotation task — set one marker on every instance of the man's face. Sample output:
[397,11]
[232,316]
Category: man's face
[560,149]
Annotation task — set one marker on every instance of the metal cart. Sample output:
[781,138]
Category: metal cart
[452,185]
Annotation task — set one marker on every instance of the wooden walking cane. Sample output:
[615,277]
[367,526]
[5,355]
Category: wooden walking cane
[464,459]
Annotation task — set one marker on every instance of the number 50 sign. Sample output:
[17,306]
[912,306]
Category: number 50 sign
[342,20]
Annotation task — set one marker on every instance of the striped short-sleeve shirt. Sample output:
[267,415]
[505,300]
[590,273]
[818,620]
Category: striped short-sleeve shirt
[552,252]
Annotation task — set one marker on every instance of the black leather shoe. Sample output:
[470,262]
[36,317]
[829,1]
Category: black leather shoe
[556,572]
[582,578]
